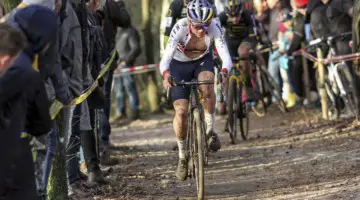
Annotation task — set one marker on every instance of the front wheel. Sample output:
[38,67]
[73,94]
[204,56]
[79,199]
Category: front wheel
[352,96]
[199,152]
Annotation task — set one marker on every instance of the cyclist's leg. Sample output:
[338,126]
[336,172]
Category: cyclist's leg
[179,95]
[244,51]
[205,72]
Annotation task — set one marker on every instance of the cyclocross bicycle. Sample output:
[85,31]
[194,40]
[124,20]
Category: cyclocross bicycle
[196,151]
[339,84]
[237,106]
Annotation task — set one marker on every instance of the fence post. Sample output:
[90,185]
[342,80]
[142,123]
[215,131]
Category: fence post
[306,76]
[322,91]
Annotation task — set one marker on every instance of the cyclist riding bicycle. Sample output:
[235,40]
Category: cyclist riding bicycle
[240,37]
[187,56]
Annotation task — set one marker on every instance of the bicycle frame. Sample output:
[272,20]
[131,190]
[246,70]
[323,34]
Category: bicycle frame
[333,72]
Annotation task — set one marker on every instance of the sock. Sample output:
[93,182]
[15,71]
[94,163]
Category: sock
[181,145]
[210,122]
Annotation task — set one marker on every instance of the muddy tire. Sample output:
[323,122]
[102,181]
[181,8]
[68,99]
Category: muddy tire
[199,152]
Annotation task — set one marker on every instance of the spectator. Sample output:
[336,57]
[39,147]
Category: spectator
[128,47]
[24,102]
[262,14]
[277,12]
[296,64]
[285,37]
[96,100]
[78,73]
[49,65]
[110,16]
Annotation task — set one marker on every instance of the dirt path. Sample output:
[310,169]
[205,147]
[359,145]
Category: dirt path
[288,156]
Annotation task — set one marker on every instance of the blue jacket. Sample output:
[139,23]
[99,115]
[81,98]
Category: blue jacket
[23,102]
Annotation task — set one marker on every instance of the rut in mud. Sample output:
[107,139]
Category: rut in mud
[288,156]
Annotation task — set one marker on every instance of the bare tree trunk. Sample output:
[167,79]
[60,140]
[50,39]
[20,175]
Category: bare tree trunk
[152,90]
[58,188]
[10,4]
[164,10]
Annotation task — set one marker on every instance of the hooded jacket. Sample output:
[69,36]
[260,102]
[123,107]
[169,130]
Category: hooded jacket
[128,45]
[23,103]
[71,50]
[49,63]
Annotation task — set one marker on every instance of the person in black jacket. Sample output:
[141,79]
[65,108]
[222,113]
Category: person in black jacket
[128,47]
[24,106]
[295,65]
[111,16]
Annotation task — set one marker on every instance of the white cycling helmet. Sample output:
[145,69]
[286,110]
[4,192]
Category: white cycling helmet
[200,12]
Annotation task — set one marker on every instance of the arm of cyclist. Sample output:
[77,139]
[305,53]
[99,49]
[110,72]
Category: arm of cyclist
[251,24]
[222,48]
[169,52]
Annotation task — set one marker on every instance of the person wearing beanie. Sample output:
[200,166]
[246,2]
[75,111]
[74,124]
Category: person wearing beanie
[23,91]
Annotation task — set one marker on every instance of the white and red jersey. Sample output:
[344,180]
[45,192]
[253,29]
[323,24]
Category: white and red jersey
[180,36]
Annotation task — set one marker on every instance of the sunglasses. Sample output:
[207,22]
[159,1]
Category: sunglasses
[199,27]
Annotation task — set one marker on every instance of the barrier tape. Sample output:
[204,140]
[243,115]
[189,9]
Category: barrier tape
[56,106]
[135,70]
[347,57]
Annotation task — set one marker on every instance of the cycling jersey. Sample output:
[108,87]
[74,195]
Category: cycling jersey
[176,11]
[240,30]
[236,34]
[180,36]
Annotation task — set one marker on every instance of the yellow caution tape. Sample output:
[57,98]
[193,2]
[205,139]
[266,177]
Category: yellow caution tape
[24,135]
[56,106]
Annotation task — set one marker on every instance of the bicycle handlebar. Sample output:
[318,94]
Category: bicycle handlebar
[192,83]
[187,84]
[327,40]
[342,35]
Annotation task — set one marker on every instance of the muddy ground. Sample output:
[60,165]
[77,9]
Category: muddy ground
[288,156]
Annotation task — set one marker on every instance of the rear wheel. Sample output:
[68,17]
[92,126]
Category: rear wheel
[259,107]
[274,90]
